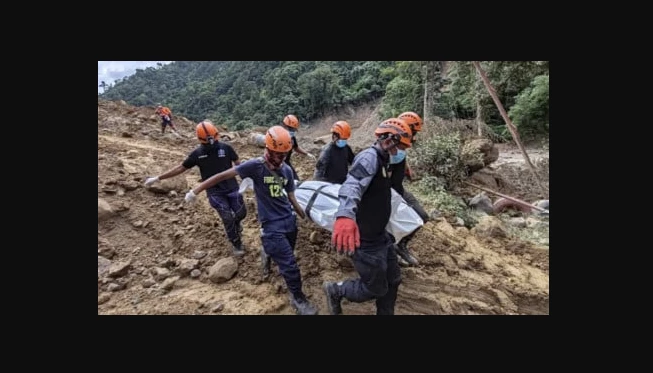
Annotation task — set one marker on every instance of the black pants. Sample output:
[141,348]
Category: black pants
[294,173]
[380,276]
[414,203]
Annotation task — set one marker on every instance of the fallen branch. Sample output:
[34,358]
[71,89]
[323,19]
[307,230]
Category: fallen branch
[523,203]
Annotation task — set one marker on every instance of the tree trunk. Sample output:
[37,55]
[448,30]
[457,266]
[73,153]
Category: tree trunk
[479,108]
[426,80]
[479,117]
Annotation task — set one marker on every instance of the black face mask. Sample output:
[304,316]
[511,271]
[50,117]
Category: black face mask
[274,158]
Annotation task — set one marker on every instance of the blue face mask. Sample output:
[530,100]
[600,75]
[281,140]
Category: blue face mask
[341,143]
[397,158]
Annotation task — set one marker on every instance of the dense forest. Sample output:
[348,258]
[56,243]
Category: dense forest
[242,94]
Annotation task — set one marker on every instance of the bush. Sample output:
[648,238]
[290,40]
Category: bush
[440,156]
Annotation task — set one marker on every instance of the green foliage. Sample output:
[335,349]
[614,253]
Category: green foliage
[432,192]
[246,93]
[401,95]
[531,110]
[239,94]
[440,156]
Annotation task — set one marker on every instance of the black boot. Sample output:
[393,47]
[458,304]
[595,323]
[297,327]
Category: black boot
[403,252]
[302,306]
[238,248]
[266,261]
[333,296]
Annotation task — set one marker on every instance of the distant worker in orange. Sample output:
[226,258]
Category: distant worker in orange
[291,124]
[166,118]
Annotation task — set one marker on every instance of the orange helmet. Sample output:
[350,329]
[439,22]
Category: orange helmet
[412,119]
[342,129]
[206,132]
[278,139]
[291,121]
[397,128]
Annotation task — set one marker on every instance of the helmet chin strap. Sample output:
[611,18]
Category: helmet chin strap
[209,138]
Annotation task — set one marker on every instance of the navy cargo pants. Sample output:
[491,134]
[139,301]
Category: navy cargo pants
[278,239]
[380,276]
[231,208]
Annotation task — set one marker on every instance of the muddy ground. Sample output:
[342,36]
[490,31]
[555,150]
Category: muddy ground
[155,252]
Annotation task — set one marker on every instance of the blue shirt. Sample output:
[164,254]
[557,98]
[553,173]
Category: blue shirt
[274,208]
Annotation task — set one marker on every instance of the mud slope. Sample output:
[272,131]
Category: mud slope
[155,252]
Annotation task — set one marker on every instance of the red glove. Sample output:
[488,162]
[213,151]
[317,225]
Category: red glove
[346,237]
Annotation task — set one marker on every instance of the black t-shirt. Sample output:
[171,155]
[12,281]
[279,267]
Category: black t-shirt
[212,160]
[398,174]
[333,164]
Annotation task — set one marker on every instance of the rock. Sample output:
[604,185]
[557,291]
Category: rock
[195,273]
[104,210]
[169,283]
[160,274]
[148,282]
[489,226]
[186,266]
[485,178]
[105,248]
[127,134]
[198,254]
[119,269]
[103,265]
[223,270]
[217,308]
[129,185]
[177,184]
[138,223]
[113,287]
[483,203]
[172,193]
[103,298]
[479,153]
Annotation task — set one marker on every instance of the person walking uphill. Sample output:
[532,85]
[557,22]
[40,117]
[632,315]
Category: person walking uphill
[271,177]
[166,118]
[361,219]
[291,124]
[335,158]
[212,157]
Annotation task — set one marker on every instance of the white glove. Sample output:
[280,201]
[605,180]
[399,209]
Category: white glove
[311,156]
[151,180]
[190,197]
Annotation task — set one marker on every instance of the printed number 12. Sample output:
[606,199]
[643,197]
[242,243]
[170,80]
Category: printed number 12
[275,190]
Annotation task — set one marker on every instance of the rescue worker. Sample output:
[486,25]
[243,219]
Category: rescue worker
[272,177]
[166,118]
[336,156]
[212,157]
[291,124]
[401,170]
[361,220]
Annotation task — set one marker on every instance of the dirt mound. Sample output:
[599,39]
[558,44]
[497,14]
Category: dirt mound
[155,252]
